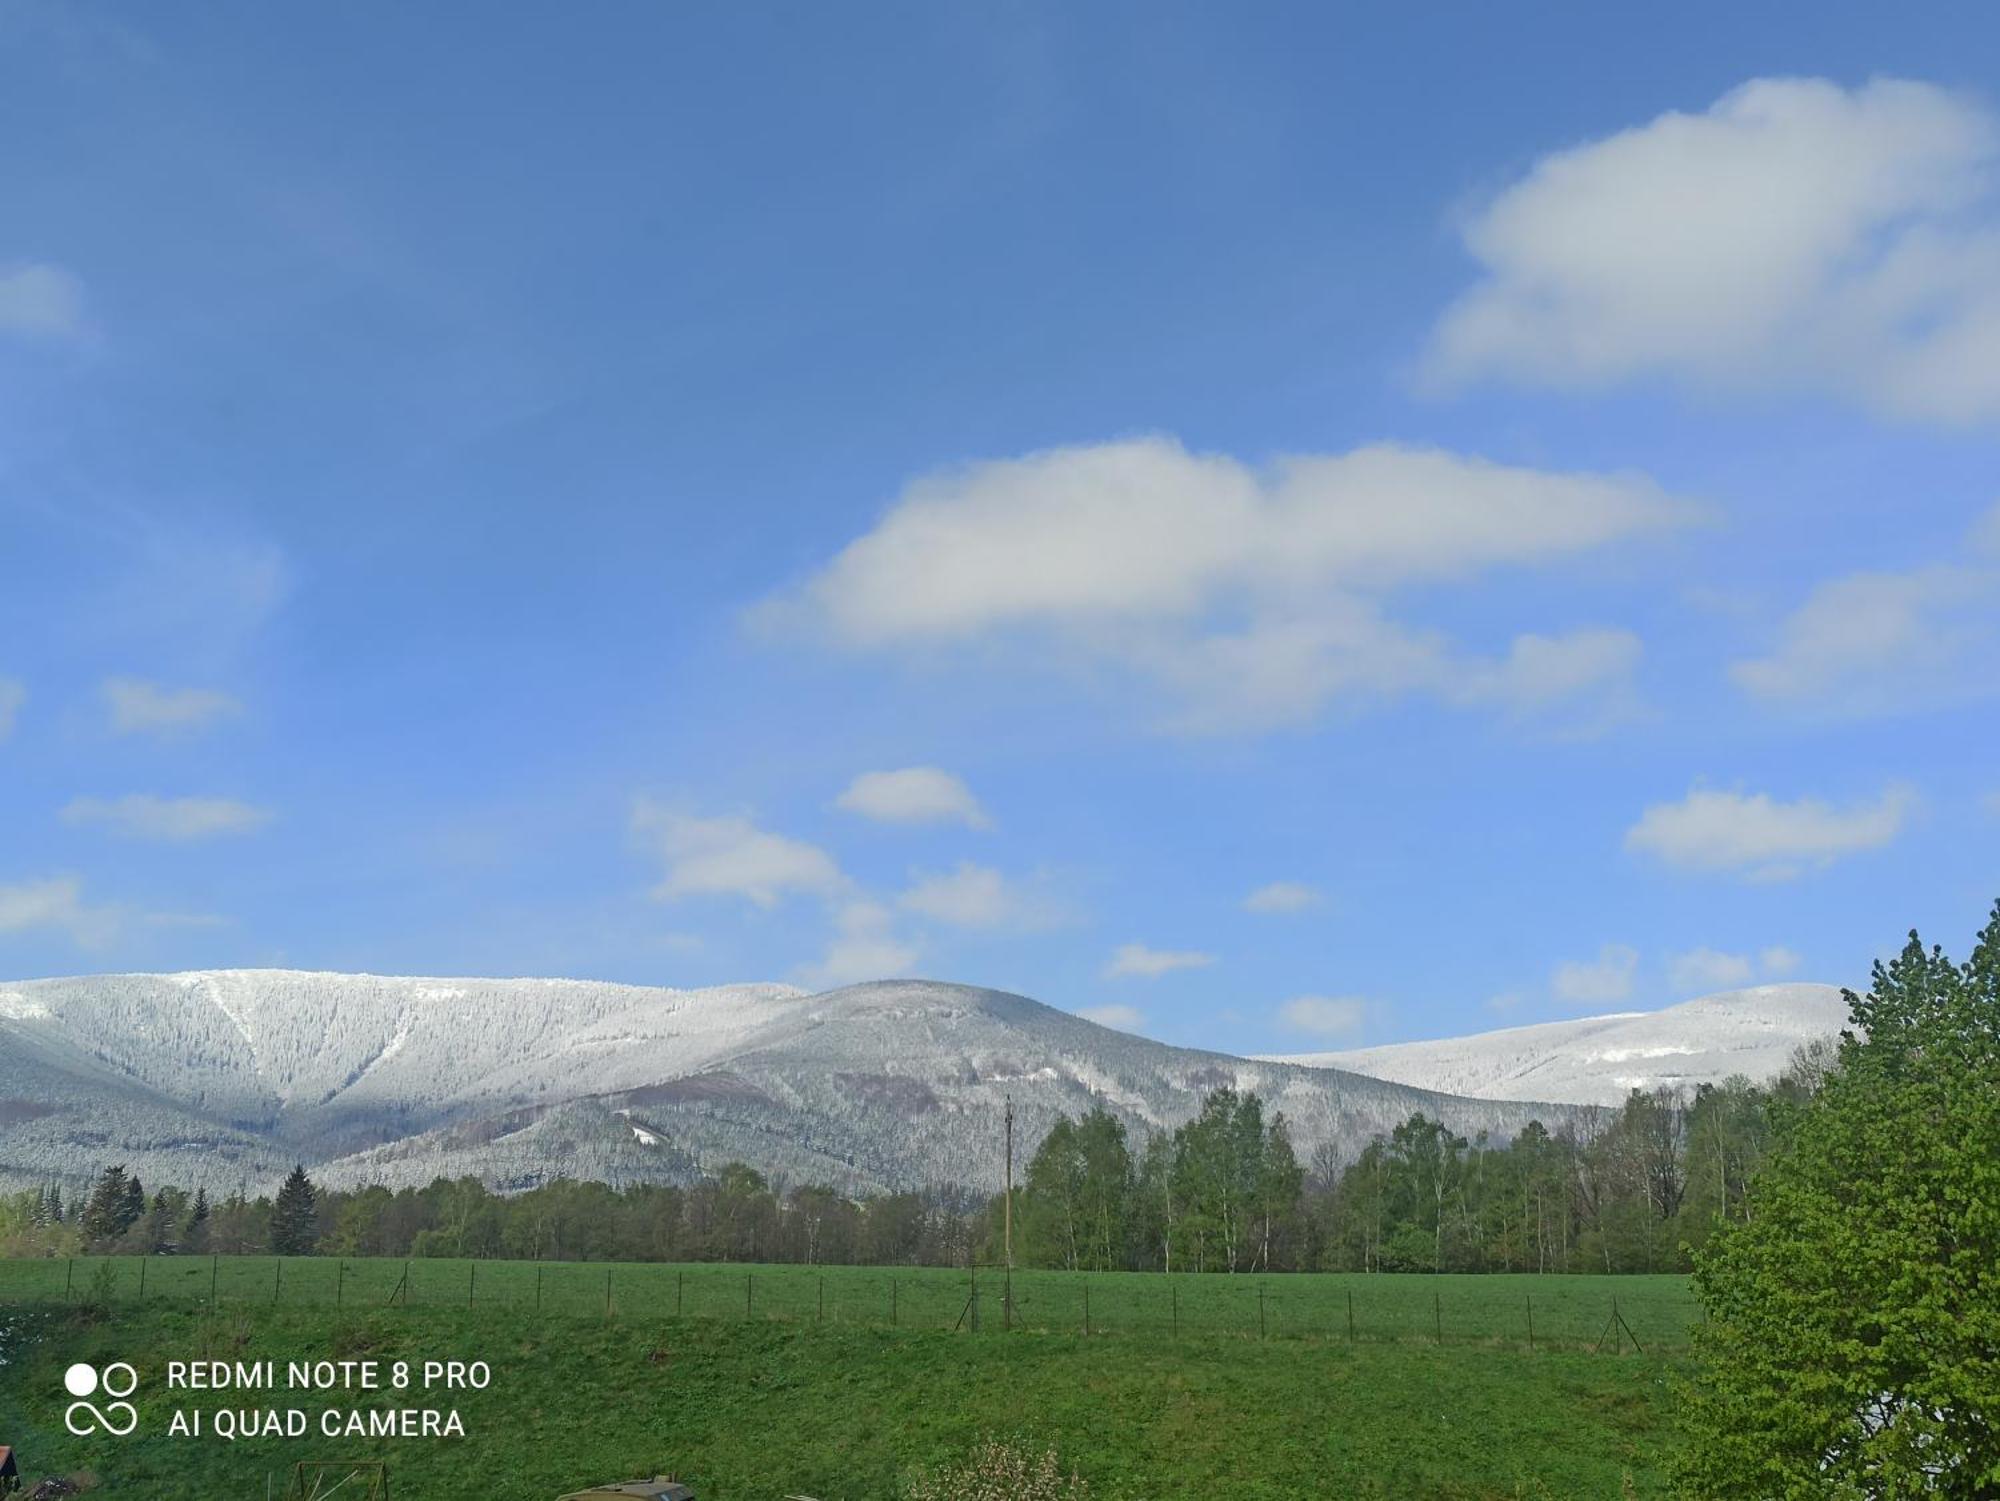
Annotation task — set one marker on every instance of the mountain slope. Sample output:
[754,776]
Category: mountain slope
[1598,1060]
[226,1076]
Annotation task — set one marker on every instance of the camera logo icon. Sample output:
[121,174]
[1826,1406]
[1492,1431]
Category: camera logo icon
[116,1381]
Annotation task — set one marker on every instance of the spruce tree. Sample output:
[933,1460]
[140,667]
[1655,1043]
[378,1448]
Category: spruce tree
[295,1216]
[102,1223]
[1852,1346]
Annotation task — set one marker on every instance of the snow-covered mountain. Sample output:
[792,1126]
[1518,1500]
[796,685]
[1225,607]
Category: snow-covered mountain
[230,1076]
[1598,1060]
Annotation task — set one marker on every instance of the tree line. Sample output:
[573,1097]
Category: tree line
[1639,1188]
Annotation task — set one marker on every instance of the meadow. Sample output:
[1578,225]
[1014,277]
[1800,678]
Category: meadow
[761,1409]
[1543,1312]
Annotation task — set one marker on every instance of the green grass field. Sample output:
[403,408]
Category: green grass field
[754,1411]
[1567,1311]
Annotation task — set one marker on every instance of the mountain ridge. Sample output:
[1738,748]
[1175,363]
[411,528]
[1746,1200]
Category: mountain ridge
[1596,1060]
[232,1075]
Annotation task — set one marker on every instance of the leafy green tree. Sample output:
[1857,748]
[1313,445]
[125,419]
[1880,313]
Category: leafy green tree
[295,1216]
[1852,1347]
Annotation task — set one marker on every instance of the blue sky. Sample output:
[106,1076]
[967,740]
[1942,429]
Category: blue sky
[1281,530]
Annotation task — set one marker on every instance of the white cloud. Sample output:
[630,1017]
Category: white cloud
[731,856]
[40,300]
[863,948]
[13,694]
[1755,836]
[1329,1016]
[1593,668]
[1709,969]
[55,903]
[143,816]
[916,794]
[1984,535]
[1281,896]
[1796,236]
[1505,1001]
[1124,1018]
[139,707]
[1705,969]
[1602,981]
[1253,594]
[1150,964]
[1876,641]
[972,896]
[1778,960]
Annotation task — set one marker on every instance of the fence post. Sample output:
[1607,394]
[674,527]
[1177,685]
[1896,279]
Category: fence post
[471,1282]
[746,1296]
[69,1278]
[340,1286]
[607,1292]
[892,1303]
[1350,1315]
[142,1279]
[538,1287]
[1531,1321]
[680,1291]
[214,1268]
[975,1297]
[1437,1315]
[278,1280]
[1262,1331]
[1086,1309]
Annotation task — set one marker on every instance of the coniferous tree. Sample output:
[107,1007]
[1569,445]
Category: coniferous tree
[295,1216]
[103,1216]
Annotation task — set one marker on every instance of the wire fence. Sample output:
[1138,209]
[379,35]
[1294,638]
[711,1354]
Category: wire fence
[1652,1315]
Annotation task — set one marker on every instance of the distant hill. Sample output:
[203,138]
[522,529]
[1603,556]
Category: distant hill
[228,1076]
[1598,1060]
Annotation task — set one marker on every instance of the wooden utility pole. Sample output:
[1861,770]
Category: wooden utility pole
[1007,1223]
[1007,1209]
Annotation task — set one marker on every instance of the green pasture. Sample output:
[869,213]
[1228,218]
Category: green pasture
[779,1404]
[1572,1312]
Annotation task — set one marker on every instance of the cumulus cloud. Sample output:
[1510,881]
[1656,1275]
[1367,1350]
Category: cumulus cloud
[1759,838]
[1325,1015]
[1795,236]
[55,903]
[1281,896]
[40,301]
[976,896]
[1778,960]
[1709,969]
[138,707]
[1874,641]
[864,947]
[1135,959]
[731,856]
[1124,1018]
[1540,673]
[1706,969]
[916,794]
[143,816]
[1255,595]
[1602,981]
[13,694]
